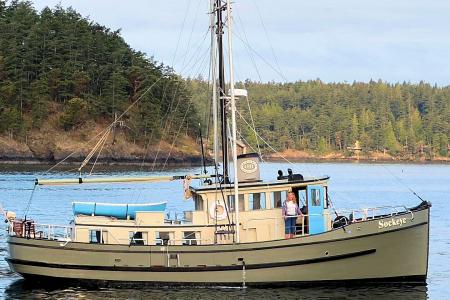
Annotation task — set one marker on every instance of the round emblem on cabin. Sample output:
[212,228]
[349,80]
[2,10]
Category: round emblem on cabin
[249,166]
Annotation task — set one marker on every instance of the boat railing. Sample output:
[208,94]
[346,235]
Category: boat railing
[56,232]
[373,212]
[174,217]
[299,227]
[31,230]
[189,242]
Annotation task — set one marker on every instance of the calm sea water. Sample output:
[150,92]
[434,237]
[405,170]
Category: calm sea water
[352,185]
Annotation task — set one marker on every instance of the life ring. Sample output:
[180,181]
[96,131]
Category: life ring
[221,211]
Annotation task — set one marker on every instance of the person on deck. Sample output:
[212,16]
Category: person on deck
[290,212]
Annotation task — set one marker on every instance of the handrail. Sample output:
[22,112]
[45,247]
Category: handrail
[55,232]
[370,212]
[302,216]
[172,242]
[395,210]
[41,231]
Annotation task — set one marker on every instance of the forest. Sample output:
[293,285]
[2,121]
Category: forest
[59,68]
[399,119]
[58,63]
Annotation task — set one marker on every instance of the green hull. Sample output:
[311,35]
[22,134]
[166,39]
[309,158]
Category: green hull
[387,249]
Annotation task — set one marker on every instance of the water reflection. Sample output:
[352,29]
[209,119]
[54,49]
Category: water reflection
[21,289]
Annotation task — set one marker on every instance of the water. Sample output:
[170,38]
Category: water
[352,185]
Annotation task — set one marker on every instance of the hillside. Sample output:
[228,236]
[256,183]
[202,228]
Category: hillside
[64,78]
[407,121]
[317,120]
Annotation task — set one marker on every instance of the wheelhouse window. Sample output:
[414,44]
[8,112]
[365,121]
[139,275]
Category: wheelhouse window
[198,202]
[257,201]
[278,199]
[191,237]
[138,238]
[230,202]
[163,237]
[301,197]
[96,236]
[315,197]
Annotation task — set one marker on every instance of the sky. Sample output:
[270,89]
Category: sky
[290,40]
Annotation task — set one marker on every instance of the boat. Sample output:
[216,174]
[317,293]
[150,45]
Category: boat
[236,233]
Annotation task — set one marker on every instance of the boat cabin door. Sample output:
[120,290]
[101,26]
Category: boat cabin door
[315,199]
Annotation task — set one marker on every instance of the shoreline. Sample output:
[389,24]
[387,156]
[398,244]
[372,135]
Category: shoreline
[364,161]
[194,161]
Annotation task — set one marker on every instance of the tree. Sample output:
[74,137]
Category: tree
[74,114]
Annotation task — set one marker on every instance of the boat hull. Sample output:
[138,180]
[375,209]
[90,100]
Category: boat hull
[381,250]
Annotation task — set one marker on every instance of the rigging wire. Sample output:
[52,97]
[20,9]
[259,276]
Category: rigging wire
[402,182]
[99,152]
[260,56]
[76,151]
[250,54]
[94,150]
[250,51]
[251,147]
[268,40]
[27,209]
[108,128]
[167,121]
[259,75]
[146,148]
[181,32]
[262,139]
[192,31]
[270,146]
[181,124]
[168,124]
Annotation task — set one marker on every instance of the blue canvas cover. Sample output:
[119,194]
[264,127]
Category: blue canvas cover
[119,211]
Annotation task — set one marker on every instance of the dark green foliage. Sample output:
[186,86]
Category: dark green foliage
[57,59]
[74,114]
[11,121]
[401,119]
[398,118]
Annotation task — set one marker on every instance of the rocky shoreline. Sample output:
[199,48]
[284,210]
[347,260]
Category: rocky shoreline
[48,150]
[42,150]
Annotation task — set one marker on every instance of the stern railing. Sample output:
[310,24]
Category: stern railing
[30,230]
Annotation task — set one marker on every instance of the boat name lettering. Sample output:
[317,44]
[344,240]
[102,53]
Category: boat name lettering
[392,222]
[249,166]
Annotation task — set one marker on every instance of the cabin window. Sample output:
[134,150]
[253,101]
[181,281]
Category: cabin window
[278,198]
[257,201]
[315,197]
[230,202]
[163,237]
[301,198]
[138,238]
[191,237]
[198,202]
[96,236]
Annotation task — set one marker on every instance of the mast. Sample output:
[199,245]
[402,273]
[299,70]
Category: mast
[214,83]
[233,118]
[222,96]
